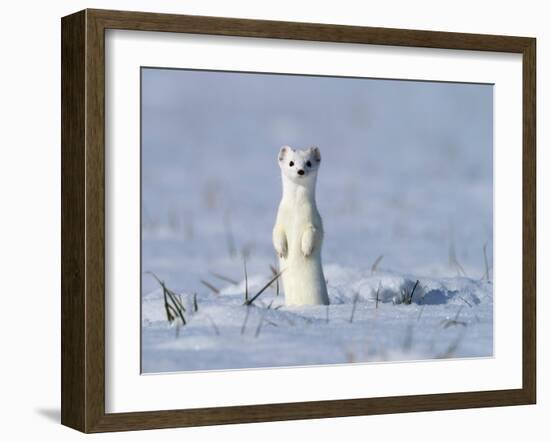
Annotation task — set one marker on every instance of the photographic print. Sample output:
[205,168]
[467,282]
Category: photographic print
[301,220]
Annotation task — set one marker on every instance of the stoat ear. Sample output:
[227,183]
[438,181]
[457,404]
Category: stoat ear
[316,153]
[283,152]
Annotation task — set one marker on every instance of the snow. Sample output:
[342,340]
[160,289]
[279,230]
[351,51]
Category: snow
[446,313]
[406,176]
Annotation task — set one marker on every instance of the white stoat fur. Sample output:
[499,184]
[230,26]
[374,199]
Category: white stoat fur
[298,231]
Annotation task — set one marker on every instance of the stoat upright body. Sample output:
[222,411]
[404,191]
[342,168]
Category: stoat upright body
[298,231]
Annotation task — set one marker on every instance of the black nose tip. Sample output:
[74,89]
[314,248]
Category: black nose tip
[300,172]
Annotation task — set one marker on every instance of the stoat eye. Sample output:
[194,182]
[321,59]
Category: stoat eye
[308,164]
[291,163]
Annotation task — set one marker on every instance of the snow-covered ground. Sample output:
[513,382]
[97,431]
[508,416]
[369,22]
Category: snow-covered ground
[406,176]
[448,318]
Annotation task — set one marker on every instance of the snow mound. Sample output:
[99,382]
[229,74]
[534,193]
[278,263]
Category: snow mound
[371,319]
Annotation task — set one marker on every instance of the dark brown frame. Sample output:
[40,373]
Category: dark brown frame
[83,216]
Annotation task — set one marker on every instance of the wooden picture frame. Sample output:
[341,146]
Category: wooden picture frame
[83,220]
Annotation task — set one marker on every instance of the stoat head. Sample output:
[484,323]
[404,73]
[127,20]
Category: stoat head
[300,166]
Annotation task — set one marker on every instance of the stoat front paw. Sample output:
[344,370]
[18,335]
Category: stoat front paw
[307,250]
[281,248]
[308,241]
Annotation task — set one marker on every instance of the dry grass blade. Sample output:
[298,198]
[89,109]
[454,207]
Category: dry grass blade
[175,298]
[355,299]
[259,328]
[176,302]
[452,322]
[224,278]
[408,341]
[420,313]
[274,271]
[466,302]
[267,320]
[378,294]
[375,264]
[414,288]
[229,234]
[243,327]
[408,296]
[170,312]
[290,321]
[250,301]
[149,221]
[453,261]
[486,262]
[245,281]
[173,305]
[458,313]
[210,286]
[214,326]
[451,350]
[195,303]
[156,277]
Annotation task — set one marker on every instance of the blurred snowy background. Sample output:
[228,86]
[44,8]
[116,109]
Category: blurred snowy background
[405,192]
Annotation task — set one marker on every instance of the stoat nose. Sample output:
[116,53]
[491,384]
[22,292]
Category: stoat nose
[300,172]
